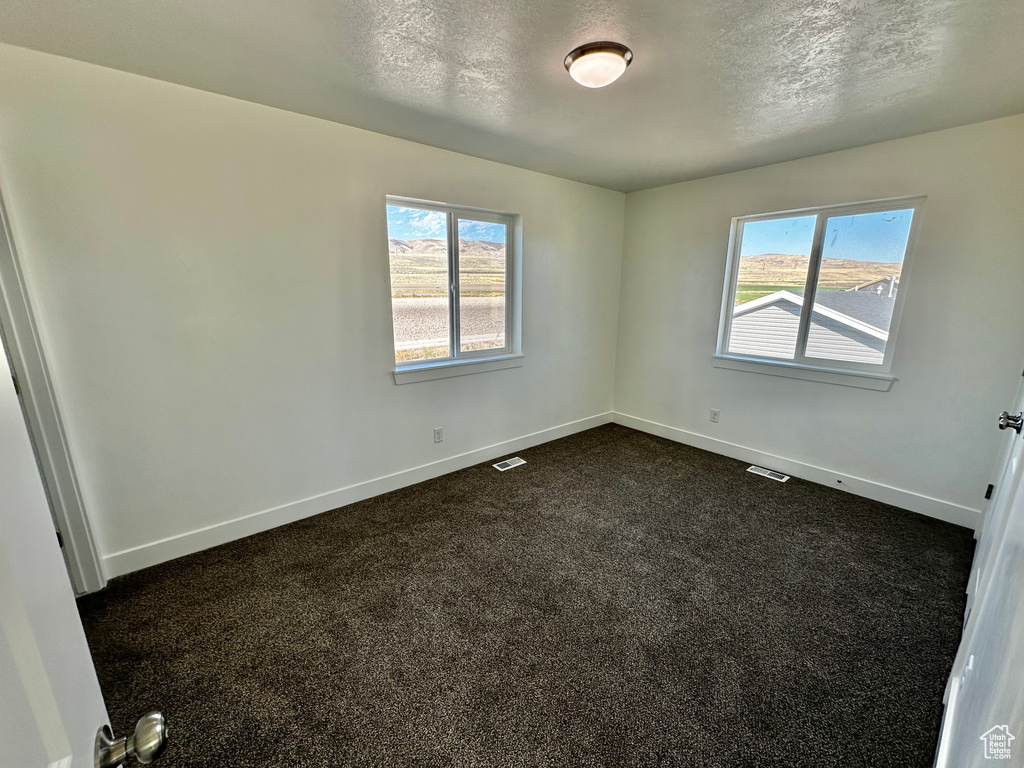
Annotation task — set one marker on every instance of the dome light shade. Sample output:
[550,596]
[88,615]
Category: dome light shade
[596,65]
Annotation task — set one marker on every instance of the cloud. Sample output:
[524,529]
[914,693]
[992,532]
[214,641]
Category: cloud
[415,223]
[428,223]
[481,230]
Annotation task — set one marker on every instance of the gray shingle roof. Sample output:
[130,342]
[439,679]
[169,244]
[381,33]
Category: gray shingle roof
[865,306]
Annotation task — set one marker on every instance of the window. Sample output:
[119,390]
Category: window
[454,290]
[818,289]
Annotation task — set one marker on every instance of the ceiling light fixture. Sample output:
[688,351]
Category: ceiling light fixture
[596,65]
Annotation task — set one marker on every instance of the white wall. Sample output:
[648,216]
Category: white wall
[211,284]
[929,443]
[210,278]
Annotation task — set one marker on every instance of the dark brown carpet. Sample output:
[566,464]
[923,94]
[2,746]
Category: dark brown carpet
[619,600]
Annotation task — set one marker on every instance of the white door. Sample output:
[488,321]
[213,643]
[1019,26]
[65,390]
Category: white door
[1008,469]
[984,716]
[50,701]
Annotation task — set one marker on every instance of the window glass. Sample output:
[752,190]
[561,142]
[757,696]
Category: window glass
[774,256]
[861,260]
[452,284]
[418,248]
[482,266]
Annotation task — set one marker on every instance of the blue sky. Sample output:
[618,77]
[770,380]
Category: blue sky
[481,230]
[416,223]
[861,237]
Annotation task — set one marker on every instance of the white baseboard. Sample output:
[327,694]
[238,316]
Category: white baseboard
[915,502]
[145,555]
[136,558]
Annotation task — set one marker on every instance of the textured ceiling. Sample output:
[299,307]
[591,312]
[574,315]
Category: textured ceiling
[715,85]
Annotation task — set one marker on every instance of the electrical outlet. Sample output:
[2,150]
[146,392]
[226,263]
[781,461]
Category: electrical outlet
[438,434]
[715,413]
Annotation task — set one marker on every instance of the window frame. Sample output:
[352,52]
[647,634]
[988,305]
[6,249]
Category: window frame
[458,362]
[851,373]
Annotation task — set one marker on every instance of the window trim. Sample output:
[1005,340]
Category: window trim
[460,363]
[428,371]
[850,373]
[847,378]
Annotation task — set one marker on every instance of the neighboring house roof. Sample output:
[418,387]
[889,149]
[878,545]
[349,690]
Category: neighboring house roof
[769,327]
[868,284]
[865,306]
[865,312]
[844,326]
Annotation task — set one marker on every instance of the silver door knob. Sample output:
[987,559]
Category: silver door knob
[1013,422]
[145,745]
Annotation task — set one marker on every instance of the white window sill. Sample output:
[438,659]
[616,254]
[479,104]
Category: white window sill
[408,374]
[847,378]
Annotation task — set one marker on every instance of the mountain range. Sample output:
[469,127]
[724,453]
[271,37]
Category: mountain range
[440,245]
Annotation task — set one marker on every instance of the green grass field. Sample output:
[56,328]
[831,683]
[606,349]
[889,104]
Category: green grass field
[426,275]
[749,291]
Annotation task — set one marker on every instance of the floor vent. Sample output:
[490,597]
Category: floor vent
[515,461]
[768,473]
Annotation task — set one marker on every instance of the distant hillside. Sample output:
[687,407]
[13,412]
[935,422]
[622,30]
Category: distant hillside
[420,267]
[785,268]
[437,245]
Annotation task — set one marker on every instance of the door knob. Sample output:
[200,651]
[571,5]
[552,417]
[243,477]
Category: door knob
[145,745]
[1013,422]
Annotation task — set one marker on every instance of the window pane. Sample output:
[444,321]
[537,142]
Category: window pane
[861,259]
[774,256]
[418,247]
[481,285]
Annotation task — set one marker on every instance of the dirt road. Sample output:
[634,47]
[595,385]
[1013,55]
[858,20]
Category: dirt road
[419,322]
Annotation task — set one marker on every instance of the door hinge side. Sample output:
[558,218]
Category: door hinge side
[988,491]
[60,540]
